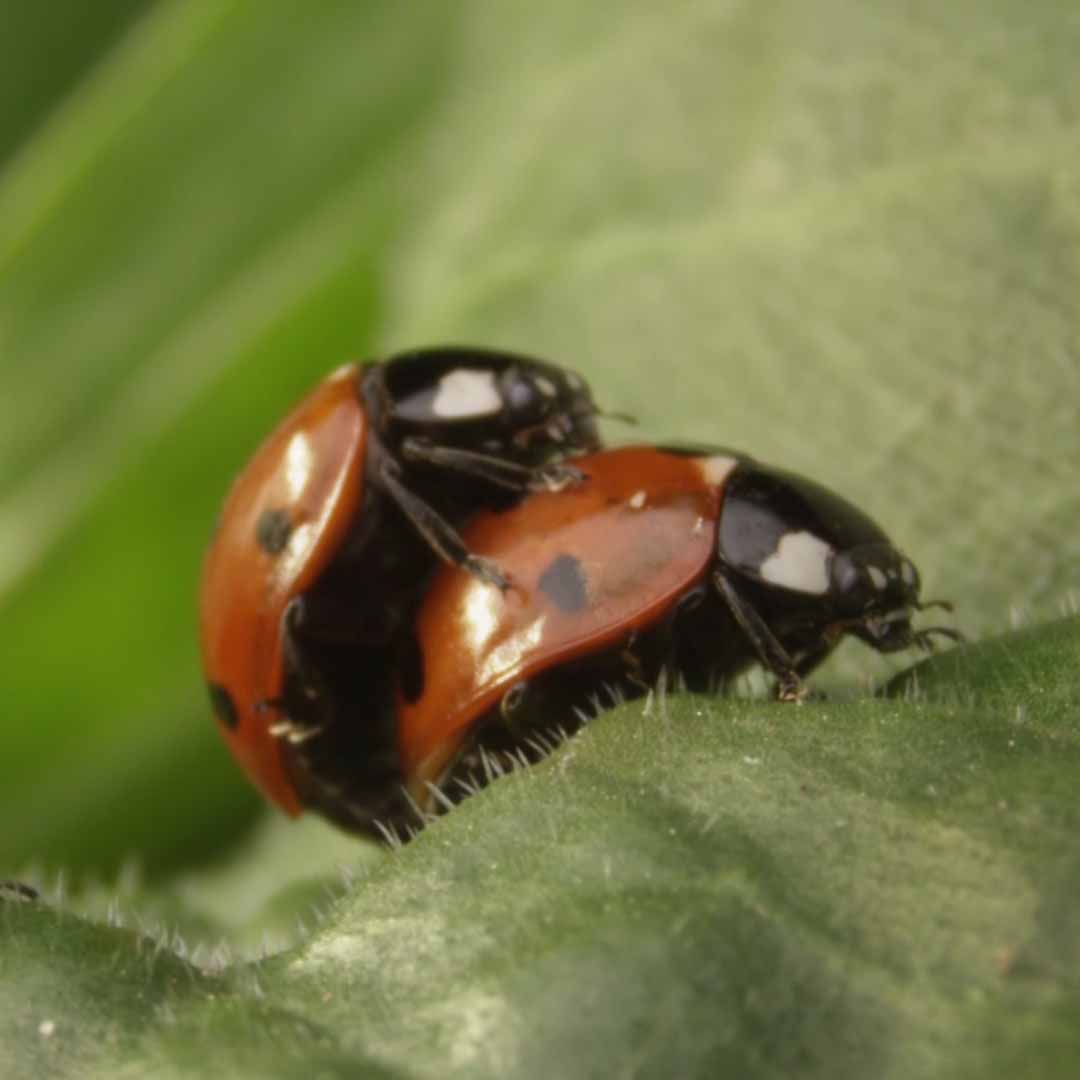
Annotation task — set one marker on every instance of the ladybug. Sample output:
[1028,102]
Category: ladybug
[329,533]
[699,563]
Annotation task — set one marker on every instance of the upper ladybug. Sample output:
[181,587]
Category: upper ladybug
[330,531]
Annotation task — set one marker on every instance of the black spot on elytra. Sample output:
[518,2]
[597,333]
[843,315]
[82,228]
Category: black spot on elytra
[273,530]
[565,584]
[223,705]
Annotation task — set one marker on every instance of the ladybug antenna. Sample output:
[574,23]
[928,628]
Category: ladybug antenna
[927,604]
[620,417]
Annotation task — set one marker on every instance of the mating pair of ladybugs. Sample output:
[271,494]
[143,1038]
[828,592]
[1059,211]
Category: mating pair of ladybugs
[414,566]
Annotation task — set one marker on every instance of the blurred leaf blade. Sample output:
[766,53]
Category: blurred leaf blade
[92,478]
[841,237]
[79,131]
[42,59]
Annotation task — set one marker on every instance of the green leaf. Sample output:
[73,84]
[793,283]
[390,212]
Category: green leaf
[840,236]
[70,38]
[696,887]
[1023,669]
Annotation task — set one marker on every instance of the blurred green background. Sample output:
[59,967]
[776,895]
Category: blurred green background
[844,237]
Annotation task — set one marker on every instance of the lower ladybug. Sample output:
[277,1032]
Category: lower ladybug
[331,530]
[698,563]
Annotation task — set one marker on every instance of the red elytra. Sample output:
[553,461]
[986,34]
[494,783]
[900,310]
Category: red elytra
[308,478]
[697,563]
[638,534]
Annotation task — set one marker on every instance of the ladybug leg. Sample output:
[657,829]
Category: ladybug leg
[770,652]
[496,470]
[305,710]
[293,629]
[16,890]
[437,531]
[808,661]
[511,702]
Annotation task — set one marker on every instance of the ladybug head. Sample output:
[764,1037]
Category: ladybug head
[872,577]
[875,589]
[545,405]
[809,550]
[494,401]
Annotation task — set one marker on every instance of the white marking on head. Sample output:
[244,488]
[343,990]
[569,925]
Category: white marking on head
[637,500]
[715,469]
[464,392]
[546,386]
[877,577]
[800,562]
[908,574]
[573,380]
